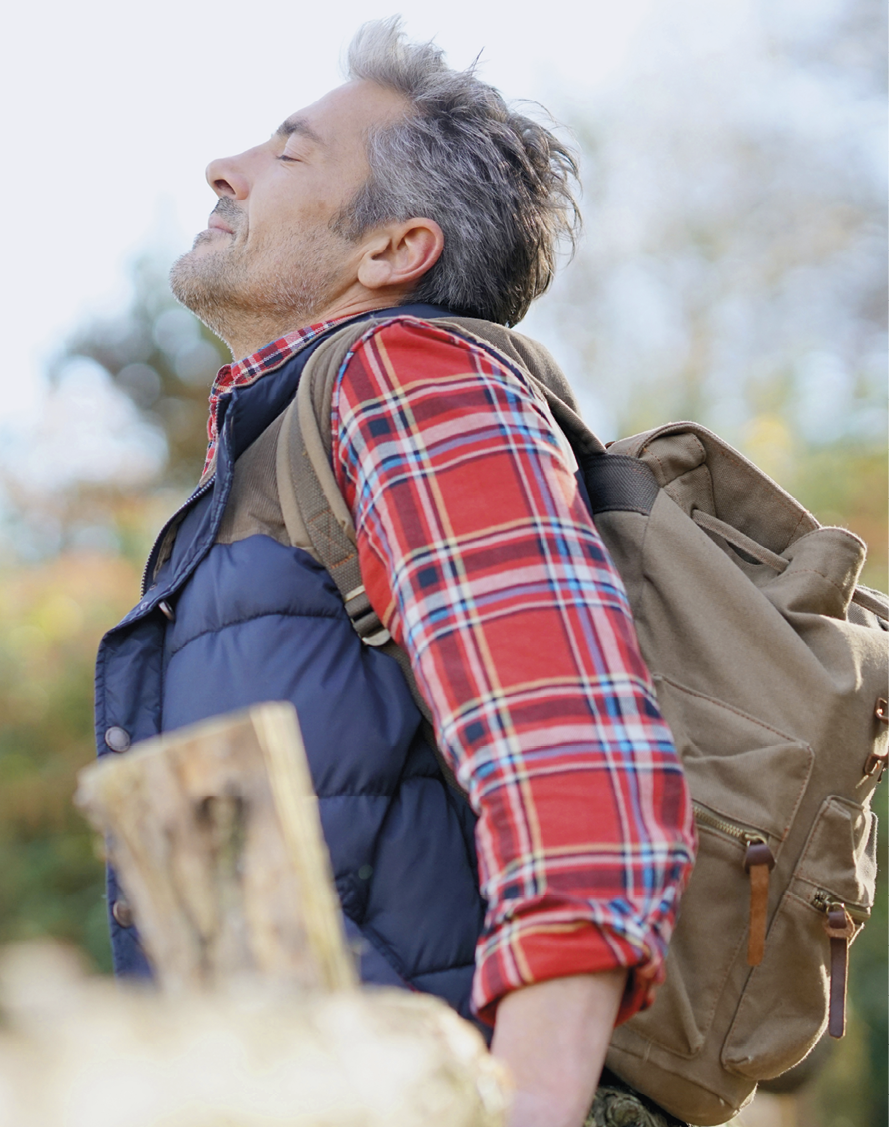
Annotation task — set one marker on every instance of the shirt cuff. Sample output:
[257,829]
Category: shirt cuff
[525,953]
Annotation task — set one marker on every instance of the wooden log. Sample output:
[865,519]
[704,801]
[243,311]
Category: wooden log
[83,1053]
[215,835]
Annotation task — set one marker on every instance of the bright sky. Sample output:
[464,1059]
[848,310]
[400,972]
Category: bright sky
[114,110]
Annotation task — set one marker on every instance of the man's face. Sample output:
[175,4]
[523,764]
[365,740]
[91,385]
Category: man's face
[268,261]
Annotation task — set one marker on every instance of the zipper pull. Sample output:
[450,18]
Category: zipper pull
[839,926]
[758,863]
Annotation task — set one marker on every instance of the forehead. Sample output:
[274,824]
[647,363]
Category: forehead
[339,122]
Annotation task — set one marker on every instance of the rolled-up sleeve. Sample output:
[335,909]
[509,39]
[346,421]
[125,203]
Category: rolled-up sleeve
[478,553]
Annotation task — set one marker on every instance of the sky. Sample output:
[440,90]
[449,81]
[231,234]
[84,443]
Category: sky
[117,108]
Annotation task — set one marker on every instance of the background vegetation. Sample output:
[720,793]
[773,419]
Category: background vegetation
[733,271]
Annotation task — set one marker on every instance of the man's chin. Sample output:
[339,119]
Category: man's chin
[206,243]
[195,280]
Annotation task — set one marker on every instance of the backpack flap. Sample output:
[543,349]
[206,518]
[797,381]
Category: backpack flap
[698,470]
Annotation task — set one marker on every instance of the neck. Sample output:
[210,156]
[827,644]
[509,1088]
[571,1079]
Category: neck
[254,331]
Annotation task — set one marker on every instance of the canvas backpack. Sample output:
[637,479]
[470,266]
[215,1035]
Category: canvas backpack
[770,666]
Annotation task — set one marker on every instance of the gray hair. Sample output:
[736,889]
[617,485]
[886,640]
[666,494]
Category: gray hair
[498,184]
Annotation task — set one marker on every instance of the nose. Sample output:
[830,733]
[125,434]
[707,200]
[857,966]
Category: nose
[226,178]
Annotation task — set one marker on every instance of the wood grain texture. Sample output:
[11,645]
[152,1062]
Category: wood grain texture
[215,835]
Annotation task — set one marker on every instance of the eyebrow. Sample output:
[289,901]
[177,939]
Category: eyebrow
[298,125]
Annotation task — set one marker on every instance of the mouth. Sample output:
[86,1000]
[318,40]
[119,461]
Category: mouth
[216,224]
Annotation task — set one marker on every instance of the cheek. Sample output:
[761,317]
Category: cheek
[297,201]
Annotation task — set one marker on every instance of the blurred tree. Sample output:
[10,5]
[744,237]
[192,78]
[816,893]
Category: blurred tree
[164,360]
[734,266]
[74,539]
[51,618]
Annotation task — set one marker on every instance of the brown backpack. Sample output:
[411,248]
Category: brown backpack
[770,666]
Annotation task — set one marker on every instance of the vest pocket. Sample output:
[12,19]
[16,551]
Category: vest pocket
[352,889]
[784,1007]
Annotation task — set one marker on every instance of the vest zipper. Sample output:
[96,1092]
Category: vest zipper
[758,863]
[185,504]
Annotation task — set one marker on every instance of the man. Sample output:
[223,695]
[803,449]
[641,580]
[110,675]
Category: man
[414,189]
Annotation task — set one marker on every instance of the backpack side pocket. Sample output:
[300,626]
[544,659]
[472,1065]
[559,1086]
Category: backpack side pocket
[784,1007]
[747,781]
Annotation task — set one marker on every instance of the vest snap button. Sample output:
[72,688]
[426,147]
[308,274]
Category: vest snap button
[122,913]
[118,739]
[166,610]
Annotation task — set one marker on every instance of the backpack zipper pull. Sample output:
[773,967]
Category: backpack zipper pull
[758,863]
[839,926]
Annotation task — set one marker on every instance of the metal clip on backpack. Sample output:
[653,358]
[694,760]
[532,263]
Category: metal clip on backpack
[770,667]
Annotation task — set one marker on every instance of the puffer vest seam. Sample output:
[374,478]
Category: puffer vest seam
[231,623]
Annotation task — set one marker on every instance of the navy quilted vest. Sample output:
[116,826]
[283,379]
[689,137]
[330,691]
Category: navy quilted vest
[257,620]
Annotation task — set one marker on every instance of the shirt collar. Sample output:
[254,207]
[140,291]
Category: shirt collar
[270,356]
[247,371]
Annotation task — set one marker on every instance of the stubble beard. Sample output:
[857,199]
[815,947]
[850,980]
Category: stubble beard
[258,294]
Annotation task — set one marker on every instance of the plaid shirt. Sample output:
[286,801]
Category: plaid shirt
[246,371]
[480,557]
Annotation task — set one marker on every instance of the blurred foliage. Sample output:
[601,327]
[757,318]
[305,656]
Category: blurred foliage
[72,560]
[51,618]
[734,271]
[164,360]
[735,212]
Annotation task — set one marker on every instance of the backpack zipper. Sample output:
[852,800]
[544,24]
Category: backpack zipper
[839,924]
[758,863]
[745,834]
[839,918]
[824,901]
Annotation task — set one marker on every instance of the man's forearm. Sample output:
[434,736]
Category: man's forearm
[553,1037]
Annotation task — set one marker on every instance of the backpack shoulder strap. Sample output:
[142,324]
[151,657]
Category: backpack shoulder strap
[311,502]
[315,512]
[540,371]
[313,508]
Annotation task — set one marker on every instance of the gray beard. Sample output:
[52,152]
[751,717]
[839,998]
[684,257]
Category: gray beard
[240,296]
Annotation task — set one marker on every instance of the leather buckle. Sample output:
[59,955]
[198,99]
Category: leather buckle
[876,762]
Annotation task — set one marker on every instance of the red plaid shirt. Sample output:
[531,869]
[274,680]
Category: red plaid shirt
[479,555]
[246,371]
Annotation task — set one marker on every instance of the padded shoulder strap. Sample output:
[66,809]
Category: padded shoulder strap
[538,368]
[312,504]
[310,498]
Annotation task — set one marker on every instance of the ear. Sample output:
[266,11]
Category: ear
[397,255]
